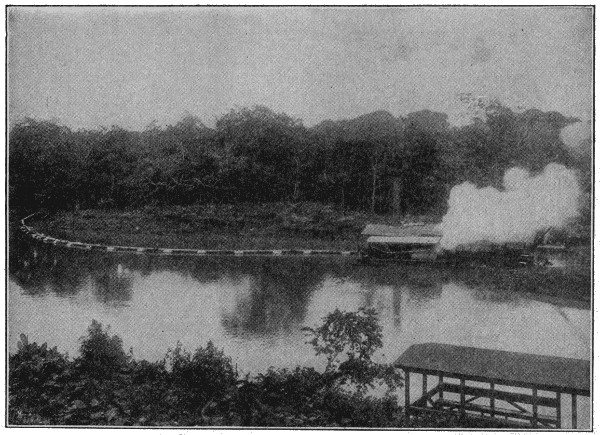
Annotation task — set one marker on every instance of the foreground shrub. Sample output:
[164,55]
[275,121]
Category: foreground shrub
[358,335]
[37,376]
[102,355]
[106,386]
[206,375]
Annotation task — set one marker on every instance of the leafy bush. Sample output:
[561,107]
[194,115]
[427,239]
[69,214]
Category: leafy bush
[359,410]
[206,375]
[358,335]
[290,387]
[105,386]
[102,355]
[304,397]
[36,377]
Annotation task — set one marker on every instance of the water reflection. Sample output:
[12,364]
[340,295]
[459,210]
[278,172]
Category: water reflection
[277,300]
[255,307]
[112,285]
[39,270]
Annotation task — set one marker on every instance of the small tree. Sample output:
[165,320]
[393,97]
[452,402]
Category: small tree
[102,355]
[359,336]
[206,375]
[34,383]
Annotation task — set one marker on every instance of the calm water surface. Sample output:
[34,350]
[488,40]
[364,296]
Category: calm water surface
[254,308]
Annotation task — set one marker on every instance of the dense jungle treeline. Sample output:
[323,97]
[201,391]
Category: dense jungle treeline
[257,155]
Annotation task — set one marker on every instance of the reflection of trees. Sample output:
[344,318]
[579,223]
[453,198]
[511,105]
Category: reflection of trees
[280,287]
[397,308]
[212,269]
[202,269]
[66,276]
[493,283]
[39,269]
[424,282]
[111,286]
[278,299]
[509,285]
[488,284]
[419,283]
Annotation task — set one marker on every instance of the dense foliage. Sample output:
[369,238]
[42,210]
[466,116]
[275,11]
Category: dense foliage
[257,155]
[106,386]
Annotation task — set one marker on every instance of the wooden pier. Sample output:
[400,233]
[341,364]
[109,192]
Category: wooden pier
[505,388]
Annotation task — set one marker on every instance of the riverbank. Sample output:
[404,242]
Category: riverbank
[244,226]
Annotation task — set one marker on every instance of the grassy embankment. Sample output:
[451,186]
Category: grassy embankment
[247,226]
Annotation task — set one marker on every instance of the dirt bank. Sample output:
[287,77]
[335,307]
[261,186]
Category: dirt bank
[264,226]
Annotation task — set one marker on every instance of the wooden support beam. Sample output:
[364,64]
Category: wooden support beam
[441,381]
[492,399]
[534,420]
[428,397]
[558,411]
[424,383]
[500,395]
[574,410]
[462,397]
[406,395]
[520,408]
[547,420]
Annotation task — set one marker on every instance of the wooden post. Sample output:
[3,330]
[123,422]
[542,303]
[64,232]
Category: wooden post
[462,397]
[441,387]
[535,408]
[558,413]
[492,400]
[424,384]
[406,394]
[574,410]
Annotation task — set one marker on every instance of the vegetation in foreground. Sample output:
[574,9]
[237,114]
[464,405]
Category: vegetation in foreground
[107,386]
[104,385]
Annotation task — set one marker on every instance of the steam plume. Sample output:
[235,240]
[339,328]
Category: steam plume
[577,136]
[525,206]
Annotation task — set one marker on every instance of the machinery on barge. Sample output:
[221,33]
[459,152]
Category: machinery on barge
[421,242]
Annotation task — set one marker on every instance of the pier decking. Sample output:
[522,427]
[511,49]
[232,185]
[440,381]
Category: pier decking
[495,378]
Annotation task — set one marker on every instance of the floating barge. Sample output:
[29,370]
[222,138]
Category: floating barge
[421,243]
[482,384]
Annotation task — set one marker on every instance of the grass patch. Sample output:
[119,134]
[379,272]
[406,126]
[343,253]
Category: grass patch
[250,226]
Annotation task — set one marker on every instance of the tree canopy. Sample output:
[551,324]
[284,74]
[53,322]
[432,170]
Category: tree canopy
[256,154]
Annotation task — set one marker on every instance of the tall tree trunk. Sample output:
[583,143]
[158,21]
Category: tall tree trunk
[373,189]
[296,193]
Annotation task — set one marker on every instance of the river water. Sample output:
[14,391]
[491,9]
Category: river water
[254,308]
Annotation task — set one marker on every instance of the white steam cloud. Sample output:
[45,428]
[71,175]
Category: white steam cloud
[525,206]
[577,136]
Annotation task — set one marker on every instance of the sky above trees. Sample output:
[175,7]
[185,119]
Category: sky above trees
[91,67]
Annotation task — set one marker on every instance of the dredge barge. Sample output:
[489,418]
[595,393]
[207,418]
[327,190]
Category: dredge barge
[416,242]
[420,242]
